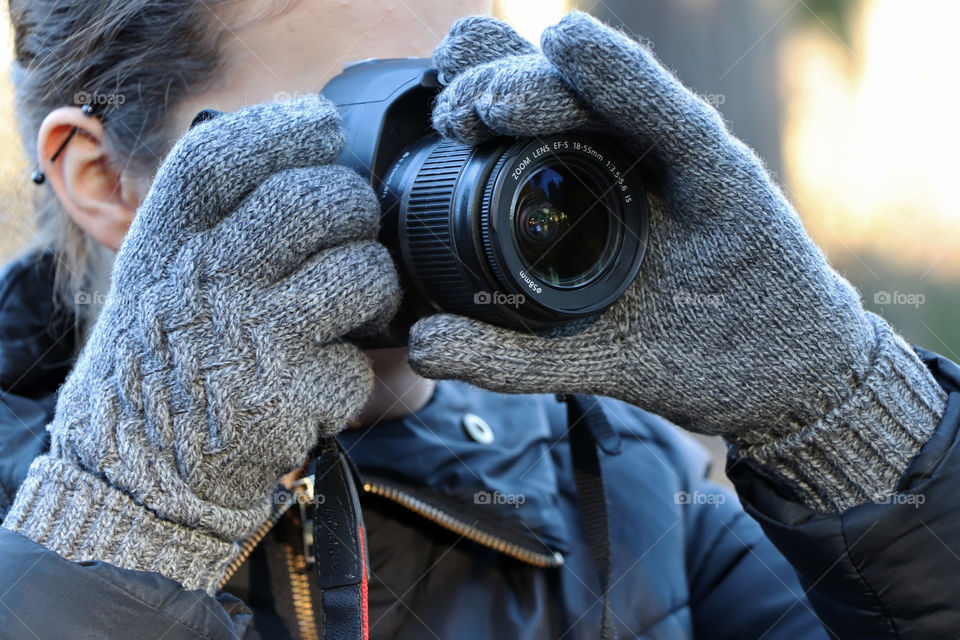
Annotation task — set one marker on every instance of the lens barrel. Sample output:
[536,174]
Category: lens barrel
[525,234]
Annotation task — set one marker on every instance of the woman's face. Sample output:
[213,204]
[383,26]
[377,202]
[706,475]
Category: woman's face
[298,48]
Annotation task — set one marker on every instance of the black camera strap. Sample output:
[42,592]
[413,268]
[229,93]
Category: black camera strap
[339,547]
[589,433]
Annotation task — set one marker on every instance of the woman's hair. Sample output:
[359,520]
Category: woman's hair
[134,60]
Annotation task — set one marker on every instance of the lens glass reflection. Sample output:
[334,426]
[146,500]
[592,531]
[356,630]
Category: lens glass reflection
[561,225]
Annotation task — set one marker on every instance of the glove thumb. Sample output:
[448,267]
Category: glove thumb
[449,347]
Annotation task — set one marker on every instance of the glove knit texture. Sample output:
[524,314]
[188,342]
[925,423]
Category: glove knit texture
[736,326]
[218,360]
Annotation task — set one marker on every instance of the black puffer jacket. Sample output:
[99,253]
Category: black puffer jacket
[459,530]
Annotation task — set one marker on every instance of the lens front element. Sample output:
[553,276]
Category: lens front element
[562,225]
[523,233]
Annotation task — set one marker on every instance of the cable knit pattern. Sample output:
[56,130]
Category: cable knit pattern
[737,325]
[217,361]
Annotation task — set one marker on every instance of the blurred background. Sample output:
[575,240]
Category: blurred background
[850,102]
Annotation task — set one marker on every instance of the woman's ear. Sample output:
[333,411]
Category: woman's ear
[92,191]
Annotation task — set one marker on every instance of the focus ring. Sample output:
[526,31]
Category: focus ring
[426,225]
[486,222]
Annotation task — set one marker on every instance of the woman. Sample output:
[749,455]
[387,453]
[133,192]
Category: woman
[247,256]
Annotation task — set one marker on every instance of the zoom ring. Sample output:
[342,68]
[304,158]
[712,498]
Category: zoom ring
[427,226]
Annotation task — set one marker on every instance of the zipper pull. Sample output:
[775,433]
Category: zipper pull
[303,493]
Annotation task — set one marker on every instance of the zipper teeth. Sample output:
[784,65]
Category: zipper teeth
[419,507]
[300,590]
[460,527]
[248,545]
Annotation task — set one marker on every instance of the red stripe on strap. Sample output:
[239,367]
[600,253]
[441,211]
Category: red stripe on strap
[363,585]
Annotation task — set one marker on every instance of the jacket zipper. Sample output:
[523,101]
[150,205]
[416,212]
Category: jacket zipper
[460,527]
[248,545]
[296,561]
[301,491]
[300,593]
[299,560]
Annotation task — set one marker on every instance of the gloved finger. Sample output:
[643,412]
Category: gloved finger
[475,40]
[307,393]
[338,386]
[455,110]
[621,79]
[216,164]
[296,396]
[337,291]
[288,218]
[517,96]
[445,346]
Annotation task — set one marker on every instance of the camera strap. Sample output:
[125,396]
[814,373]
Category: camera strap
[589,433]
[339,547]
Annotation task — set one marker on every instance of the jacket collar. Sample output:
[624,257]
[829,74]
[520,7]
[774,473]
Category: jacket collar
[507,488]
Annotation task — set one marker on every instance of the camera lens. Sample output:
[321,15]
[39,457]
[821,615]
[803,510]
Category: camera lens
[527,234]
[562,225]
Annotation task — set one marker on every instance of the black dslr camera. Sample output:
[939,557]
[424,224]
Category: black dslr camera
[528,233]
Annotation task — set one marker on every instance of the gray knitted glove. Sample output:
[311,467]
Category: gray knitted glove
[217,362]
[736,325]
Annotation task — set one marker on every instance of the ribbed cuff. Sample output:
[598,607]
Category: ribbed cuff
[77,515]
[858,452]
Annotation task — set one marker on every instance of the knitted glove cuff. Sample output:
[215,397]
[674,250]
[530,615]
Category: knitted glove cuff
[859,451]
[80,517]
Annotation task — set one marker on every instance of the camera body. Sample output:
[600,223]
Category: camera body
[527,234]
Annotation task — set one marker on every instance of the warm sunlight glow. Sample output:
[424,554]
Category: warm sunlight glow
[531,17]
[16,217]
[871,138]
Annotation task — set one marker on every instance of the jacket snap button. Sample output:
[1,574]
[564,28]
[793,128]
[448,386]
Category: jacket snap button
[477,428]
